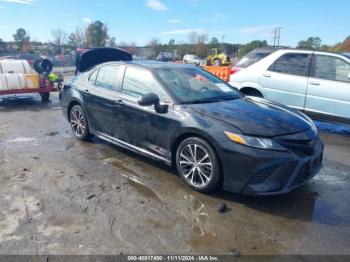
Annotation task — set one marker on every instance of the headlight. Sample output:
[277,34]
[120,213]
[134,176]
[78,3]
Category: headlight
[258,142]
[312,124]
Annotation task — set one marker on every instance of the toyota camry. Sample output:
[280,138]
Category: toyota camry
[187,118]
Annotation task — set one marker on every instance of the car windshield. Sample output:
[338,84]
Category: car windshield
[191,85]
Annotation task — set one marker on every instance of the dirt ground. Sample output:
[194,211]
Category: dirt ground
[62,196]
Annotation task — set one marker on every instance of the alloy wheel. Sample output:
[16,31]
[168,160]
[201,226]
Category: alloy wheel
[77,121]
[196,165]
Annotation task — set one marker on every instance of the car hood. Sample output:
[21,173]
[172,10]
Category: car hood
[256,116]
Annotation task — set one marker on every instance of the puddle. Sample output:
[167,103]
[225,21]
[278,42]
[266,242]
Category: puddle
[333,128]
[21,140]
[328,214]
[144,190]
[120,165]
[331,179]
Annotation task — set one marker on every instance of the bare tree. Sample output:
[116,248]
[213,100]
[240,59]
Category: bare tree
[201,49]
[193,37]
[155,45]
[59,39]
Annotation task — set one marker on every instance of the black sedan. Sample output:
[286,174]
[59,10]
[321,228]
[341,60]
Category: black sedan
[188,118]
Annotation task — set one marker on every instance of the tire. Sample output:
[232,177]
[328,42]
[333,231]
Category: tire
[185,62]
[200,169]
[45,97]
[217,62]
[79,123]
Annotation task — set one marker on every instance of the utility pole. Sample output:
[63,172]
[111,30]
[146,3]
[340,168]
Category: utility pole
[277,36]
[222,42]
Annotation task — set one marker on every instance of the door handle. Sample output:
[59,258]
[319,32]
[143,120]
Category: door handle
[115,103]
[315,83]
[266,75]
[119,102]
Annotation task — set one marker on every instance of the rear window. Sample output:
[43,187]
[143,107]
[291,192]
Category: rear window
[253,57]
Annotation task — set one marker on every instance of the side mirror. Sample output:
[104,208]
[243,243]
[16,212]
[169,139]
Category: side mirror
[148,99]
[152,99]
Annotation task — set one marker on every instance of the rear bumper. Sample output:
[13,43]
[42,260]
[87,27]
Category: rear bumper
[260,172]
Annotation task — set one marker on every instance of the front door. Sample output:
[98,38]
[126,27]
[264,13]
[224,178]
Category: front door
[142,126]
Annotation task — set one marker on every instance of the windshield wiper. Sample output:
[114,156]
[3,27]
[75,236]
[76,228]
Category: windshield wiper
[203,101]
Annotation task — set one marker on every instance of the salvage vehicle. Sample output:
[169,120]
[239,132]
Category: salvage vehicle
[17,77]
[188,118]
[314,82]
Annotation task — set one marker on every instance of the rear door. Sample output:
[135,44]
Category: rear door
[328,91]
[102,100]
[285,81]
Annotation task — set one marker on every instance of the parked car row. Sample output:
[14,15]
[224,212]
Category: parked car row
[314,82]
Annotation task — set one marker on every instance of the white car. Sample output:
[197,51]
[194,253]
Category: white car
[192,59]
[317,83]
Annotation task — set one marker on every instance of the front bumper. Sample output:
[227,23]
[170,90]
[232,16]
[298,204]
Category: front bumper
[252,171]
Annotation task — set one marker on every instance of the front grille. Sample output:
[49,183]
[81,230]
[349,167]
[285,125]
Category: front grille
[301,148]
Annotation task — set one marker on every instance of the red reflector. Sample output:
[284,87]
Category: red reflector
[234,70]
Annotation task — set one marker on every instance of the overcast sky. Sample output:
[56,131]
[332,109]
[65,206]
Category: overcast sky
[140,20]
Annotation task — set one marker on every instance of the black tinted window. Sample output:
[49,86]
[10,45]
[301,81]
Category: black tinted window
[138,82]
[332,68]
[293,64]
[108,77]
[253,57]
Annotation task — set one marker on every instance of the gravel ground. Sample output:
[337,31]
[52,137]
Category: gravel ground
[63,196]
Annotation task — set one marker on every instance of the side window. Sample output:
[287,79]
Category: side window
[292,64]
[332,68]
[92,77]
[138,82]
[108,77]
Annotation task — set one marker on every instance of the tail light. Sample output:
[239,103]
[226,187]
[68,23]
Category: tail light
[235,70]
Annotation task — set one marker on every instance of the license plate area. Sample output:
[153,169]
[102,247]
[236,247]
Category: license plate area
[315,163]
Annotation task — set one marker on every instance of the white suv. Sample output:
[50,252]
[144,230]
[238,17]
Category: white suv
[317,83]
[192,59]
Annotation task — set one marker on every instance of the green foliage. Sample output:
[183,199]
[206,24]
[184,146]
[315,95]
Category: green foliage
[311,43]
[96,34]
[245,49]
[21,36]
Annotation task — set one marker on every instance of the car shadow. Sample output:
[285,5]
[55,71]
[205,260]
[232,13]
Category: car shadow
[23,102]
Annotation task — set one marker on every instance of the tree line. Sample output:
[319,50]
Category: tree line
[96,35]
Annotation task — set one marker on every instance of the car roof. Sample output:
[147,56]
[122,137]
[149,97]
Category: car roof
[150,64]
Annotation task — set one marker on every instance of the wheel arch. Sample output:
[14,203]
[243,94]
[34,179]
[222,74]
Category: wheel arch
[197,134]
[247,89]
[73,103]
[192,133]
